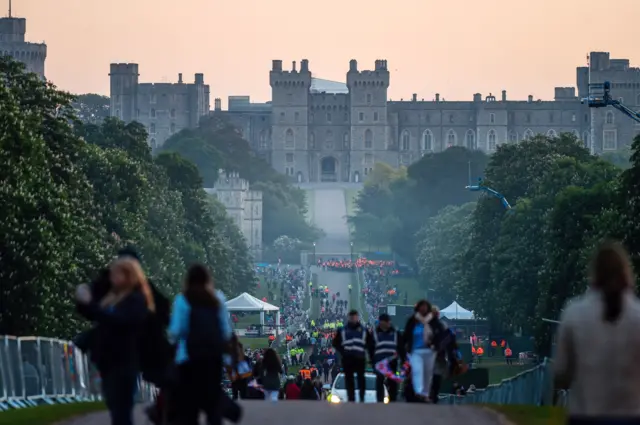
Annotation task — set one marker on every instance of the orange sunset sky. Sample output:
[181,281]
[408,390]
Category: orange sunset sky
[454,48]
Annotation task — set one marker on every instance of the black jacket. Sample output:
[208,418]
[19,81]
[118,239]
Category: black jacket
[437,328]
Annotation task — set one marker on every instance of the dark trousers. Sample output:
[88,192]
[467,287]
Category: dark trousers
[119,387]
[200,391]
[435,388]
[354,366]
[239,389]
[392,388]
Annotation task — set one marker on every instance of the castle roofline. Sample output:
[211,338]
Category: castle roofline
[318,85]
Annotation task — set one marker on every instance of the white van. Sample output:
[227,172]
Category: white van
[338,391]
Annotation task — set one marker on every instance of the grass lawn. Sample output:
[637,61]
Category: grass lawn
[48,415]
[356,299]
[498,370]
[531,415]
[350,196]
[260,342]
[311,206]
[411,286]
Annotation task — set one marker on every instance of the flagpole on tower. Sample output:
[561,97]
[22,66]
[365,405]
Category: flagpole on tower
[10,8]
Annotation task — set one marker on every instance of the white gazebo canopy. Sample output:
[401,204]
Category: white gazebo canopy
[247,302]
[456,312]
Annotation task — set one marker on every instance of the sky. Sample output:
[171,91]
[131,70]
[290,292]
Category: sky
[455,48]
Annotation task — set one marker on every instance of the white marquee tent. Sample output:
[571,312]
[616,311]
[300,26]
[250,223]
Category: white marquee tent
[456,312]
[247,302]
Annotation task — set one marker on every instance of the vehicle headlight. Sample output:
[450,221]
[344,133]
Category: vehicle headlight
[334,398]
[386,400]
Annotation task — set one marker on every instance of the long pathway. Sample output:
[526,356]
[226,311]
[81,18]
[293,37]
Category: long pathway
[321,413]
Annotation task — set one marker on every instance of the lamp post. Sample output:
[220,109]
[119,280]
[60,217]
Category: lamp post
[314,253]
[351,255]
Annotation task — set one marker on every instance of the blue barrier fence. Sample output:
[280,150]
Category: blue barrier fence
[35,370]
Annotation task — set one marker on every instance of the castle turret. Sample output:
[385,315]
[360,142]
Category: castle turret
[124,90]
[12,41]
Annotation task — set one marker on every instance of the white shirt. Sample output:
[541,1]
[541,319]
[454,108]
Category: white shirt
[601,360]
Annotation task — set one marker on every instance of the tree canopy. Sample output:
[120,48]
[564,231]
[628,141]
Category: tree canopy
[74,192]
[216,144]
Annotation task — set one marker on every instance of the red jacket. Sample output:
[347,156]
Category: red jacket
[292,392]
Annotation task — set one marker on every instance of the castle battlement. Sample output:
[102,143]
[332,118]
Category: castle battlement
[12,42]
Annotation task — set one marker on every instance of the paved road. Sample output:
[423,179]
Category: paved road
[330,215]
[320,413]
[337,282]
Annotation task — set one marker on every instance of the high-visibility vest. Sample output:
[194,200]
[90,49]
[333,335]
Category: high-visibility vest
[503,343]
[480,351]
[494,344]
[306,373]
[473,349]
[507,352]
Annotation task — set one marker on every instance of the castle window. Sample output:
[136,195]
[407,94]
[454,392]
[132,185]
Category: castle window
[289,141]
[296,116]
[513,136]
[491,140]
[375,116]
[312,140]
[152,128]
[573,117]
[368,139]
[551,117]
[173,113]
[329,117]
[552,133]
[609,119]
[406,142]
[427,141]
[361,116]
[173,128]
[610,141]
[152,98]
[451,118]
[289,158]
[451,138]
[345,140]
[281,116]
[328,141]
[368,98]
[368,159]
[346,117]
[586,117]
[311,118]
[263,139]
[492,118]
[427,118]
[470,140]
[528,134]
[152,113]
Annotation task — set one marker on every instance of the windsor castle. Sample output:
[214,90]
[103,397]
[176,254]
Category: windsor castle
[316,130]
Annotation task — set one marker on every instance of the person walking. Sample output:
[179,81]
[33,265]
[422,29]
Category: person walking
[271,368]
[382,343]
[119,315]
[350,342]
[598,344]
[418,336]
[200,325]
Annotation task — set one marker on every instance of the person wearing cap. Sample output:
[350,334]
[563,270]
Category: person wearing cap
[351,343]
[384,342]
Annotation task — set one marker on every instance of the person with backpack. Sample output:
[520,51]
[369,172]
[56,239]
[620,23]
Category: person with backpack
[200,325]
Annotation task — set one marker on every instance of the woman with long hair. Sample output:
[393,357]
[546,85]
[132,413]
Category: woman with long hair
[418,335]
[598,344]
[200,325]
[271,368]
[119,315]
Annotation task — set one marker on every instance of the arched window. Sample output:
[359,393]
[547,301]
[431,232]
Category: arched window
[289,140]
[328,140]
[427,141]
[263,139]
[609,119]
[492,118]
[152,128]
[528,134]
[153,113]
[406,143]
[513,136]
[173,113]
[368,139]
[470,140]
[552,133]
[451,138]
[491,140]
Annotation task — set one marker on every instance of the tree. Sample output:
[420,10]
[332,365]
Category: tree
[91,108]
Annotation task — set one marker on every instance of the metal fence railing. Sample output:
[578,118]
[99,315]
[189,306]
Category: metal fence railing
[531,387]
[35,370]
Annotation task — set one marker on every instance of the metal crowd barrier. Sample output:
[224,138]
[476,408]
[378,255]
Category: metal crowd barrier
[35,370]
[531,387]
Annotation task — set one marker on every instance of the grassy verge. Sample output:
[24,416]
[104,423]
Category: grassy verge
[411,287]
[48,415]
[254,343]
[531,415]
[499,370]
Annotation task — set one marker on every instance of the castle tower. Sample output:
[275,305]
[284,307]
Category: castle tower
[124,91]
[290,118]
[369,127]
[12,42]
